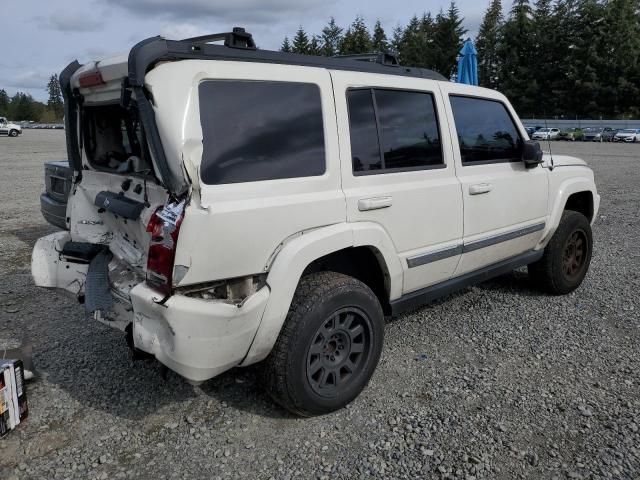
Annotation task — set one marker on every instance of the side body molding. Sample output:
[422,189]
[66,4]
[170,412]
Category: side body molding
[563,189]
[297,254]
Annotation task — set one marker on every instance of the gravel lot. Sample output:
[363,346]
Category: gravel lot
[496,382]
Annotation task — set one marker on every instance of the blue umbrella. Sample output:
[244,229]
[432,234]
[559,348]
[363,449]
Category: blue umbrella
[468,64]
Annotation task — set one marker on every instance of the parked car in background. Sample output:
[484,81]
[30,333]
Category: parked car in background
[627,135]
[53,201]
[598,134]
[9,129]
[545,134]
[571,134]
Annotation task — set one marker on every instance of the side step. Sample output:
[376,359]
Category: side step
[426,295]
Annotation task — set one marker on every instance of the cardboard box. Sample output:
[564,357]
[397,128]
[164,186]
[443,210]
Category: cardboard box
[5,424]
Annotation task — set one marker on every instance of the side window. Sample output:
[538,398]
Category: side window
[393,130]
[260,130]
[486,131]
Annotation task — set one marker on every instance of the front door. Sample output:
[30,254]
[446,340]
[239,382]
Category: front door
[398,170]
[505,203]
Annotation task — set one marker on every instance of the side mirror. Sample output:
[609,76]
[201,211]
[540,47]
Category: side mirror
[531,154]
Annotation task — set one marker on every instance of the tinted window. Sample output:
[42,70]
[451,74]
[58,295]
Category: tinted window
[405,135]
[260,131]
[486,132]
[365,150]
[409,134]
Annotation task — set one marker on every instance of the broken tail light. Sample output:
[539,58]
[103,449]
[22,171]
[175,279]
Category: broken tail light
[164,227]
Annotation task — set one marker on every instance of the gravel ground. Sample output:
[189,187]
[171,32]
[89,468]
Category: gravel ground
[496,382]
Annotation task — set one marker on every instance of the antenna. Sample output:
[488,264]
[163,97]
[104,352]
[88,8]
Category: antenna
[548,139]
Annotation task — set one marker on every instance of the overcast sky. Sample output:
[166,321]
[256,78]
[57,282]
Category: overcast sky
[40,37]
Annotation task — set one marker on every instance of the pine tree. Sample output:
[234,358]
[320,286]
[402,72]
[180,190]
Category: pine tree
[448,39]
[517,80]
[286,45]
[356,39]
[4,103]
[487,43]
[379,39]
[396,40]
[331,38]
[55,102]
[300,42]
[314,46]
[411,48]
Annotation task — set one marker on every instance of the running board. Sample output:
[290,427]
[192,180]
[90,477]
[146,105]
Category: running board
[429,294]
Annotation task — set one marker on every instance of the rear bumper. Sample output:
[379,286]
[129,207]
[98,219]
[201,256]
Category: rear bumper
[198,339]
[53,211]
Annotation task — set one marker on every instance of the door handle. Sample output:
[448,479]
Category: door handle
[374,203]
[480,188]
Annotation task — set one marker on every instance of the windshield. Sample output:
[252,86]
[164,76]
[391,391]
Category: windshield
[628,130]
[543,130]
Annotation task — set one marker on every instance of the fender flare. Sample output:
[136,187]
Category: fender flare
[567,188]
[297,254]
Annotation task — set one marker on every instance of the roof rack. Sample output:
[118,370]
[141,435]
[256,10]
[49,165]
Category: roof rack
[382,58]
[238,38]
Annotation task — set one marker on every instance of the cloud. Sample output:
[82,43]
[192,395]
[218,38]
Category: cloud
[71,21]
[30,79]
[178,31]
[242,10]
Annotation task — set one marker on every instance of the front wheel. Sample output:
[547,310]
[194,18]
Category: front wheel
[329,345]
[566,258]
[13,133]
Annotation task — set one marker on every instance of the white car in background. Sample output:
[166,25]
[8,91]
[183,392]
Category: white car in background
[9,129]
[627,135]
[545,134]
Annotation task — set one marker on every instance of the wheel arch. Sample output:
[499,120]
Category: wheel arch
[577,193]
[343,248]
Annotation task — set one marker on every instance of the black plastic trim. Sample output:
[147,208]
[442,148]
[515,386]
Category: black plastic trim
[421,297]
[425,258]
[71,117]
[504,237]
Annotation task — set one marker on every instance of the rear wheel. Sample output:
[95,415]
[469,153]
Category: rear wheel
[13,133]
[566,258]
[329,345]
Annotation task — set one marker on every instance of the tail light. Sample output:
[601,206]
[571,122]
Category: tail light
[164,227]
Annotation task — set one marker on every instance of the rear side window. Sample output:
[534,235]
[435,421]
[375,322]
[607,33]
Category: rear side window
[393,130]
[255,130]
[486,131]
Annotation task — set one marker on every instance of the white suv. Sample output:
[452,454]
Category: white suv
[233,205]
[9,129]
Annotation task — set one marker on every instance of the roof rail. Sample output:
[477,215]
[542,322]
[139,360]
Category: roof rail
[238,38]
[381,58]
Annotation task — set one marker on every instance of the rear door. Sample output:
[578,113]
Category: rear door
[3,128]
[505,203]
[398,169]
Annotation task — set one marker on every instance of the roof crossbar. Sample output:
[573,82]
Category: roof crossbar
[381,58]
[238,38]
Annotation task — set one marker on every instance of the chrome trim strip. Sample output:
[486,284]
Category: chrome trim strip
[503,237]
[424,258]
[430,257]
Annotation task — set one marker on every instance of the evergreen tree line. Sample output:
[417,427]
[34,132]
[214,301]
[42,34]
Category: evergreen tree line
[553,58]
[22,106]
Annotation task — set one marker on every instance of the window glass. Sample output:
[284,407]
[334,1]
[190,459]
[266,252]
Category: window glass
[405,135]
[365,150]
[486,132]
[409,134]
[260,131]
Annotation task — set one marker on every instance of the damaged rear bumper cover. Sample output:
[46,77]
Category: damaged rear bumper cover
[196,338]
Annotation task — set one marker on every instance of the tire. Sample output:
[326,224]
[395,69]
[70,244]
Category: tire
[13,133]
[330,314]
[566,258]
